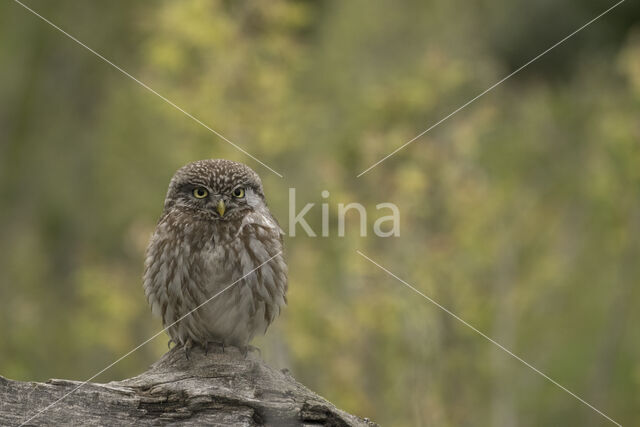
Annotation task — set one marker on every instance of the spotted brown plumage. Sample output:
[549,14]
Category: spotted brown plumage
[216,228]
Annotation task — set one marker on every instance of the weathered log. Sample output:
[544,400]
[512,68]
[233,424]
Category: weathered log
[220,388]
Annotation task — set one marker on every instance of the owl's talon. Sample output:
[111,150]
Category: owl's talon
[256,349]
[169,343]
[246,349]
[205,346]
[187,348]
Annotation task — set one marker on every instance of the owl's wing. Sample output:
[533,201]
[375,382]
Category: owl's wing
[262,218]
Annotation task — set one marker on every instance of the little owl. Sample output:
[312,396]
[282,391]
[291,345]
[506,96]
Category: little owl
[216,230]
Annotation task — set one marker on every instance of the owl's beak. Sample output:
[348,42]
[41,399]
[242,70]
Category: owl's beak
[221,207]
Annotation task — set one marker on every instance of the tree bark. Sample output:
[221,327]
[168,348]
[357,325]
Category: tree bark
[222,388]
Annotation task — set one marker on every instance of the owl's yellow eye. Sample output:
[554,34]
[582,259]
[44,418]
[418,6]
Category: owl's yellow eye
[200,193]
[238,193]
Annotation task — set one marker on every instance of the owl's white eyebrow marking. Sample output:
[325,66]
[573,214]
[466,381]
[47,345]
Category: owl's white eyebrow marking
[168,101]
[150,339]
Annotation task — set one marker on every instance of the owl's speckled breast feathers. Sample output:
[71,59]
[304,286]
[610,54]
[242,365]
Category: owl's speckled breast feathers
[216,229]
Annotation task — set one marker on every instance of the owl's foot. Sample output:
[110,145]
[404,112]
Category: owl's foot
[188,345]
[217,344]
[169,343]
[246,349]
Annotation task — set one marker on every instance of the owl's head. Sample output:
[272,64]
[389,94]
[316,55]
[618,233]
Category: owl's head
[217,189]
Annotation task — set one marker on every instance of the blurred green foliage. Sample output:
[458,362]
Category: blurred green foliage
[521,213]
